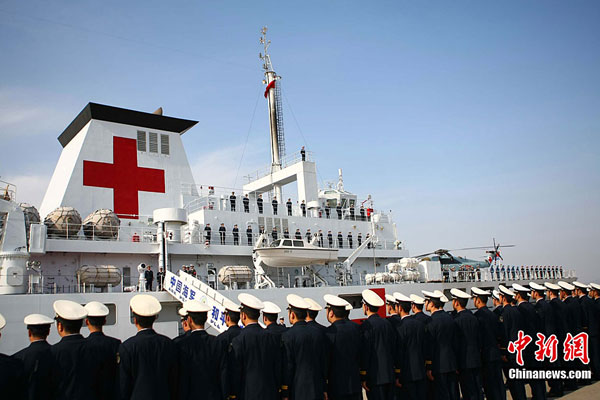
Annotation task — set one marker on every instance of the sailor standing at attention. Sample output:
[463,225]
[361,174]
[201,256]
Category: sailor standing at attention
[305,374]
[559,311]
[497,303]
[491,358]
[416,305]
[270,313]
[312,313]
[183,315]
[345,344]
[392,309]
[256,360]
[37,359]
[469,347]
[200,357]
[590,324]
[105,350]
[411,352]
[74,367]
[232,320]
[12,382]
[377,372]
[512,322]
[148,360]
[442,331]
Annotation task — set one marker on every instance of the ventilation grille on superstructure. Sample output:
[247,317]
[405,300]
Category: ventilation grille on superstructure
[164,144]
[153,142]
[141,141]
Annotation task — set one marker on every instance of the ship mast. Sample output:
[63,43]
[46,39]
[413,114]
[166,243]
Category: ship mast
[273,95]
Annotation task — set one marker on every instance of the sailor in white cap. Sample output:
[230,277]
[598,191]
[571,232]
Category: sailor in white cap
[391,306]
[560,319]
[469,345]
[378,338]
[497,303]
[75,366]
[148,361]
[270,313]
[105,348]
[256,356]
[573,307]
[512,322]
[201,361]
[37,358]
[442,360]
[12,376]
[313,313]
[305,373]
[345,346]
[417,305]
[411,346]
[183,317]
[232,321]
[491,358]
[590,324]
[595,296]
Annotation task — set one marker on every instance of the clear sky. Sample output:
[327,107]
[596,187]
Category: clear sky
[468,119]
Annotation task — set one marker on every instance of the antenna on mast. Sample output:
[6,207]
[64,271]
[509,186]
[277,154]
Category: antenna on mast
[275,107]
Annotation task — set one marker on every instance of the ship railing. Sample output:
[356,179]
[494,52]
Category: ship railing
[8,191]
[286,161]
[115,233]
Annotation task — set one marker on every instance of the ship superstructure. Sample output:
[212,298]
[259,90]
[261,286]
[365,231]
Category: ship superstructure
[123,194]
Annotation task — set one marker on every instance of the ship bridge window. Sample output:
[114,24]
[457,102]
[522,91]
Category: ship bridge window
[287,242]
[275,243]
[355,300]
[141,141]
[298,243]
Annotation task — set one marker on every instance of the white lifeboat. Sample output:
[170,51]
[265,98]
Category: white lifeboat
[294,253]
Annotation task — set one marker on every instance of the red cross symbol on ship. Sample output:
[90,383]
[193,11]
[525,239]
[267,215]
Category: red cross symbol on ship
[124,177]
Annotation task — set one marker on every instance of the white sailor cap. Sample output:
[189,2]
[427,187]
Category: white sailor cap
[2,322]
[335,301]
[520,288]
[231,306]
[436,294]
[249,301]
[496,294]
[551,286]
[580,285]
[594,286]
[96,309]
[390,299]
[443,298]
[459,294]
[537,286]
[297,302]
[475,291]
[271,308]
[400,298]
[372,298]
[566,285]
[67,309]
[182,312]
[193,306]
[417,299]
[314,306]
[348,307]
[145,305]
[37,319]
[505,291]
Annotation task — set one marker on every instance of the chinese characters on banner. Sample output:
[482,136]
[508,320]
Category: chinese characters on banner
[574,347]
[184,291]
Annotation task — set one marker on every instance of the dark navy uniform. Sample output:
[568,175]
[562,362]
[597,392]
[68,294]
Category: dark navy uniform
[411,344]
[469,354]
[12,381]
[201,361]
[491,358]
[532,325]
[559,311]
[422,318]
[395,320]
[345,343]
[276,329]
[591,326]
[573,315]
[224,342]
[305,373]
[512,323]
[443,354]
[315,324]
[498,311]
[74,368]
[38,364]
[104,350]
[379,337]
[255,372]
[148,367]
